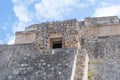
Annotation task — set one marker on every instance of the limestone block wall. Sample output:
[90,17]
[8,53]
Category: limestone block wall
[92,32]
[31,28]
[43,33]
[104,53]
[25,37]
[26,62]
[70,31]
[101,21]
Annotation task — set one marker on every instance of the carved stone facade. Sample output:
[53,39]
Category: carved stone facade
[47,34]
[68,33]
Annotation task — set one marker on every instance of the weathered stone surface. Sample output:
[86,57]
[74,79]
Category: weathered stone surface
[81,67]
[104,53]
[41,34]
[25,62]
[101,21]
[70,31]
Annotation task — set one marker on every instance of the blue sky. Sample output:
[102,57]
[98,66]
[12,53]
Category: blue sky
[15,15]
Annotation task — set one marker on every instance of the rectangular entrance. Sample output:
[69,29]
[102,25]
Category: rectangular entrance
[56,43]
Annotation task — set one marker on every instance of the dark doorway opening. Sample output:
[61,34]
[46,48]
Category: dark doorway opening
[57,44]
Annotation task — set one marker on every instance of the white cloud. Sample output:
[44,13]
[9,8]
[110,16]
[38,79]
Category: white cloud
[36,10]
[11,40]
[107,11]
[57,9]
[22,13]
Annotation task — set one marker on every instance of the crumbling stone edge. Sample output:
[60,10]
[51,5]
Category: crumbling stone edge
[80,68]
